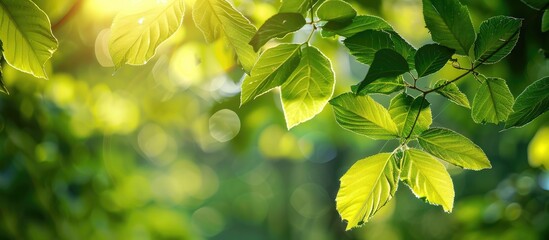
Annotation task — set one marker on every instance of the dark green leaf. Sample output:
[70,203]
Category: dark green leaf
[452,92]
[545,21]
[2,85]
[531,103]
[404,48]
[450,24]
[295,6]
[335,11]
[277,26]
[387,63]
[382,85]
[431,58]
[497,37]
[412,116]
[364,45]
[493,102]
[358,24]
[537,4]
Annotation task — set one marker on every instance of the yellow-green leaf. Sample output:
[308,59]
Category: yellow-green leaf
[427,178]
[366,187]
[493,102]
[25,31]
[452,92]
[137,32]
[412,116]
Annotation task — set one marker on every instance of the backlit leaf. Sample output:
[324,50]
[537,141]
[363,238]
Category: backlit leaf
[382,85]
[404,48]
[409,113]
[136,33]
[452,92]
[366,187]
[431,58]
[364,45]
[218,18]
[493,102]
[530,104]
[497,37]
[277,26]
[295,6]
[454,148]
[25,31]
[336,11]
[358,24]
[427,178]
[363,115]
[309,88]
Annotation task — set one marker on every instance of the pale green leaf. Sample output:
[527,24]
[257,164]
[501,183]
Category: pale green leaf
[404,48]
[537,4]
[450,24]
[363,115]
[295,6]
[358,24]
[387,63]
[273,67]
[431,58]
[497,37]
[218,18]
[366,187]
[137,32]
[26,33]
[364,45]
[427,178]
[453,148]
[277,26]
[493,102]
[335,11]
[412,116]
[309,88]
[452,92]
[545,21]
[530,104]
[383,86]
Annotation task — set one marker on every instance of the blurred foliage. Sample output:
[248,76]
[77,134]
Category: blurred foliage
[163,151]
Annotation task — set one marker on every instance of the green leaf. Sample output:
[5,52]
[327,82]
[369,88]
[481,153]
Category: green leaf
[295,6]
[387,63]
[496,39]
[431,58]
[382,85]
[2,84]
[277,26]
[309,88]
[404,48]
[453,148]
[545,21]
[364,45]
[218,18]
[335,11]
[493,102]
[531,103]
[363,115]
[452,92]
[537,4]
[366,187]
[137,32]
[450,24]
[26,33]
[427,178]
[412,116]
[358,24]
[272,69]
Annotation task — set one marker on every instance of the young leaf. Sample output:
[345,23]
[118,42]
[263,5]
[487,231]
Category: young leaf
[366,187]
[363,115]
[545,21]
[453,148]
[277,26]
[450,24]
[531,103]
[452,92]
[358,24]
[427,178]
[296,6]
[431,58]
[382,85]
[364,45]
[26,33]
[273,67]
[412,116]
[404,48]
[497,37]
[335,11]
[537,4]
[493,102]
[217,18]
[309,88]
[387,63]
[136,33]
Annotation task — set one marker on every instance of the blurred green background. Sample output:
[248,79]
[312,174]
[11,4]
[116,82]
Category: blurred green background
[163,151]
